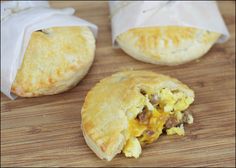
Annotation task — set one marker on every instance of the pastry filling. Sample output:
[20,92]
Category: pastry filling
[163,112]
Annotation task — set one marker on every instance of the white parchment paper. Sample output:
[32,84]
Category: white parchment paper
[18,20]
[205,15]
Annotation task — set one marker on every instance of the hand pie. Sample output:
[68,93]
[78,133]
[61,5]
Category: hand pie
[167,45]
[129,109]
[55,60]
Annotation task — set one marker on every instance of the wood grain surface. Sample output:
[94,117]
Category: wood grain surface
[45,131]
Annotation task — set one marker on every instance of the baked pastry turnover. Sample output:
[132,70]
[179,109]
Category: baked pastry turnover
[166,45]
[130,109]
[55,60]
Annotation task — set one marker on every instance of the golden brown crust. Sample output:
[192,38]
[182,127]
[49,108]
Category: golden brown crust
[55,60]
[168,45]
[115,100]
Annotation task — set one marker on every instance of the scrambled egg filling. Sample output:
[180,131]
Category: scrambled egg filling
[133,148]
[163,110]
[176,130]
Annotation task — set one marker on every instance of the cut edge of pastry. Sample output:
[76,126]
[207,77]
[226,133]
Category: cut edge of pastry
[152,121]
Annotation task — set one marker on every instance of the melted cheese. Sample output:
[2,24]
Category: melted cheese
[136,129]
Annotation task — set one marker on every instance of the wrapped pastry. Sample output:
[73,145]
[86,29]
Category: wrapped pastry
[55,60]
[45,51]
[168,45]
[166,32]
[129,109]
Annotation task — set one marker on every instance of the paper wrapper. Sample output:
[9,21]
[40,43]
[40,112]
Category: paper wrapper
[18,20]
[205,15]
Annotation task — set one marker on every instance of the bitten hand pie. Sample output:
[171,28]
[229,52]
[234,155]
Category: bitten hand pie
[129,109]
[166,45]
[55,60]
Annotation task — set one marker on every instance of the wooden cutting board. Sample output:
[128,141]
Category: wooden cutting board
[46,131]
